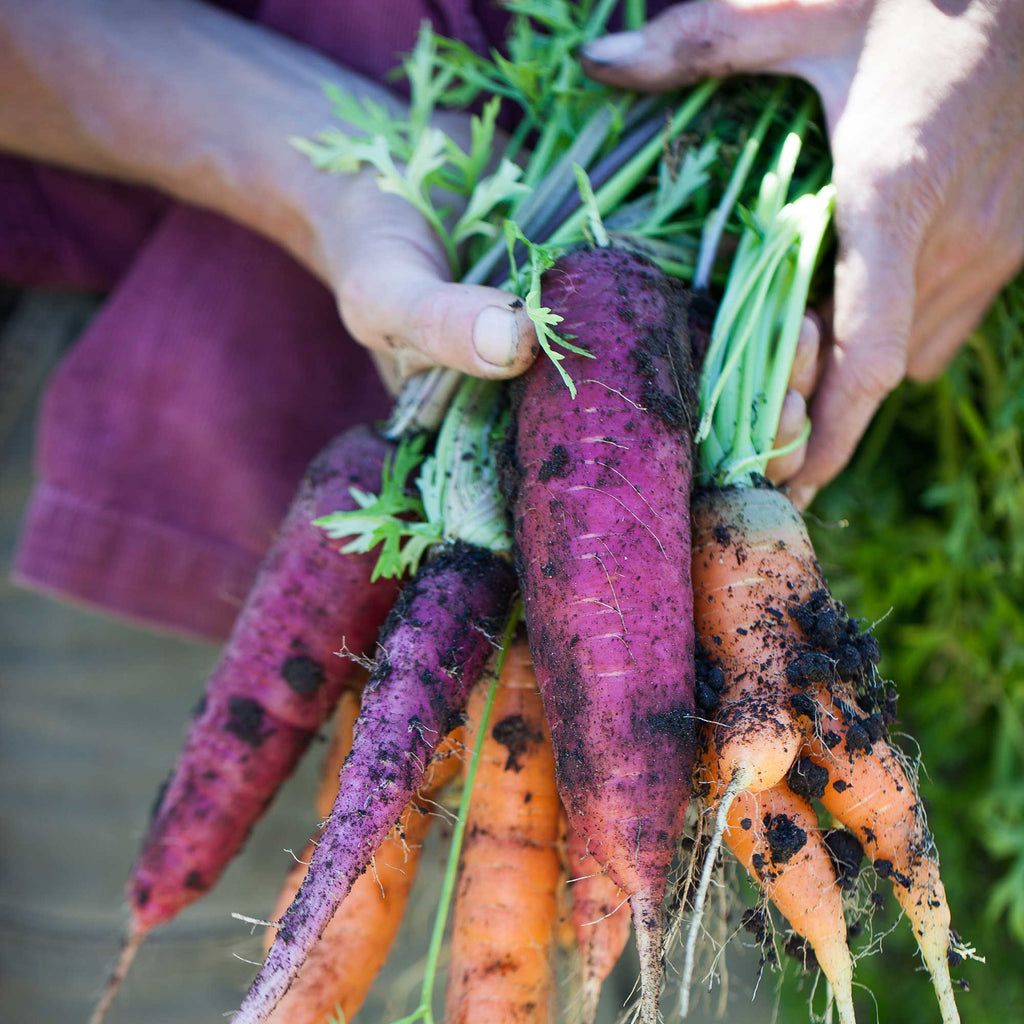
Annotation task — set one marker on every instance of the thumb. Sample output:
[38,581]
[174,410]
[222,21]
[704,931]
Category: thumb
[395,300]
[709,39]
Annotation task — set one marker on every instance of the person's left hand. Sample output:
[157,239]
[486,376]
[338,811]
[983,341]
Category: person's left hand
[924,101]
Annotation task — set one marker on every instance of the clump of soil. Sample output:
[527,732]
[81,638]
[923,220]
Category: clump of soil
[846,854]
[784,836]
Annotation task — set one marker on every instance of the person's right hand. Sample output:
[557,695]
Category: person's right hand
[98,86]
[395,295]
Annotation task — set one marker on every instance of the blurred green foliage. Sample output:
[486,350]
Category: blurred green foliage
[924,535]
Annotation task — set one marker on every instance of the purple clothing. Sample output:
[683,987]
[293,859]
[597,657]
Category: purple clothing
[173,435]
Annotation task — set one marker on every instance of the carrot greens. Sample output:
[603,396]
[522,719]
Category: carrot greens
[456,497]
[753,341]
[583,138]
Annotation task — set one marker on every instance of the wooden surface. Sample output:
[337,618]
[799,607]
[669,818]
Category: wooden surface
[91,718]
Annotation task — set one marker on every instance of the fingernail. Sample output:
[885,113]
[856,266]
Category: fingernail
[801,495]
[617,48]
[496,336]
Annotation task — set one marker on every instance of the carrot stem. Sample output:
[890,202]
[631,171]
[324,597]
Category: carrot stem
[615,190]
[422,403]
[635,14]
[715,224]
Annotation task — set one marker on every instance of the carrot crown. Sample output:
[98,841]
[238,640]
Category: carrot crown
[456,494]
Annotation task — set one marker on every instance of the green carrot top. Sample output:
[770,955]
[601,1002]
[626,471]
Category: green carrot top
[753,341]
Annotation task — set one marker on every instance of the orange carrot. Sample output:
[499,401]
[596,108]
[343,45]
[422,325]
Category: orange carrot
[345,717]
[752,561]
[340,970]
[870,792]
[600,921]
[506,904]
[774,835]
[781,660]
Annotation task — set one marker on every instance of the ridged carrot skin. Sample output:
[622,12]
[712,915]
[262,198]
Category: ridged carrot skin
[502,954]
[434,646]
[774,835]
[341,969]
[277,682]
[599,487]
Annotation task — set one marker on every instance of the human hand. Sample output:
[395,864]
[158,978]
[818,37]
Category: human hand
[92,81]
[395,294]
[924,102]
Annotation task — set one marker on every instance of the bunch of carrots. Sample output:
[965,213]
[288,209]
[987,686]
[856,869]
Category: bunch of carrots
[578,590]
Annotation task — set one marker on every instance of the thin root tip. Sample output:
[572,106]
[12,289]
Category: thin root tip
[844,1004]
[943,985]
[648,923]
[129,948]
[590,996]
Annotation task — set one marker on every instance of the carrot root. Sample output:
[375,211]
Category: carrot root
[502,963]
[741,778]
[124,961]
[774,834]
[649,925]
[870,792]
[600,923]
[599,489]
[415,693]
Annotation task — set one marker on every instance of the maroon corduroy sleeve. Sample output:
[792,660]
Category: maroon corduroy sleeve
[58,228]
[173,434]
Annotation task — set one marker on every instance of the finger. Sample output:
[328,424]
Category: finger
[948,312]
[389,369]
[804,374]
[874,302]
[710,38]
[396,299]
[791,424]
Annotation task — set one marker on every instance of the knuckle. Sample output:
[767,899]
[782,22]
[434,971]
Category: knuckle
[877,369]
[891,181]
[685,22]
[694,33]
[430,328]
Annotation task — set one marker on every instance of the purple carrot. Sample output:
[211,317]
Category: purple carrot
[277,682]
[434,646]
[599,487]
